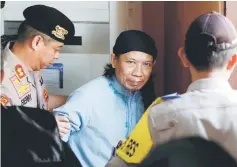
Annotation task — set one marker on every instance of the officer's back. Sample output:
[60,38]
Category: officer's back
[209,107]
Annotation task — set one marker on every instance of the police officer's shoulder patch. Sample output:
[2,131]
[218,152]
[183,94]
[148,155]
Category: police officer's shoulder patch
[20,71]
[4,100]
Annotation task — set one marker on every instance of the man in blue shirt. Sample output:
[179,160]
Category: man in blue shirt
[102,112]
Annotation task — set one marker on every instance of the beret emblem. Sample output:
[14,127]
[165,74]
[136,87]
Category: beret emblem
[59,32]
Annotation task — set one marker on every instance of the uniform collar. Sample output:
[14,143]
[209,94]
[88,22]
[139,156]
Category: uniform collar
[119,89]
[8,52]
[11,56]
[209,84]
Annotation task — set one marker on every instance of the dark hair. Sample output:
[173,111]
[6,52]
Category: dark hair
[5,39]
[189,151]
[204,54]
[147,91]
[25,32]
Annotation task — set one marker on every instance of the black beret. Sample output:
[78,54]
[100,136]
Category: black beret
[135,40]
[50,21]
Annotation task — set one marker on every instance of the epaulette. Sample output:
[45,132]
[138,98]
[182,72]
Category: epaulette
[164,98]
[170,96]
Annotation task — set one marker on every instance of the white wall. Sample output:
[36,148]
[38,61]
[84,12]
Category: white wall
[1,22]
[93,11]
[118,20]
[124,15]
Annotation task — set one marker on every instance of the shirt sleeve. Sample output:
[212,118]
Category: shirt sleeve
[77,110]
[166,122]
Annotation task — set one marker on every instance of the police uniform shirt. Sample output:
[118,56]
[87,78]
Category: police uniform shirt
[20,86]
[208,109]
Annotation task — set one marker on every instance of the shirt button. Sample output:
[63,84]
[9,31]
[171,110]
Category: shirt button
[126,124]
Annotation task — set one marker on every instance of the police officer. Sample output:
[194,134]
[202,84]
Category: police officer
[209,107]
[40,37]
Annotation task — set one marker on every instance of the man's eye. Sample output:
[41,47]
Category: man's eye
[148,64]
[130,62]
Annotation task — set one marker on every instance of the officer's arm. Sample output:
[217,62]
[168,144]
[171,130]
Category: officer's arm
[77,110]
[56,101]
[168,122]
[155,126]
[136,147]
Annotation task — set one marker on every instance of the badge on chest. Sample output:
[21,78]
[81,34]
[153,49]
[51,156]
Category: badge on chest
[21,88]
[26,99]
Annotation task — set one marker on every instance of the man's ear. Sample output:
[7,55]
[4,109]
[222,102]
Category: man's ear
[36,42]
[2,75]
[231,64]
[183,57]
[113,60]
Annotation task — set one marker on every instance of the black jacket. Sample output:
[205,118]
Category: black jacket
[30,137]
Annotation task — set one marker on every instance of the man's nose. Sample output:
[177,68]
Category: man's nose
[56,56]
[138,71]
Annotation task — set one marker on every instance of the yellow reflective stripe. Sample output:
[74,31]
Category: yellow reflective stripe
[139,143]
